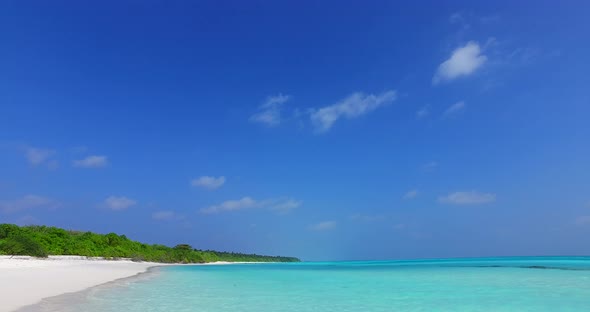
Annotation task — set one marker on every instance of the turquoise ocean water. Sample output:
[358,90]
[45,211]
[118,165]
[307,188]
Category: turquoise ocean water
[490,284]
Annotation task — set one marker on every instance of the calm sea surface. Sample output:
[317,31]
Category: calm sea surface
[490,284]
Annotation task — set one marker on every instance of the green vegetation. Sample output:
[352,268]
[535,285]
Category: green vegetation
[40,241]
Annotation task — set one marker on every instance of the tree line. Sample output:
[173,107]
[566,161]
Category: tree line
[41,241]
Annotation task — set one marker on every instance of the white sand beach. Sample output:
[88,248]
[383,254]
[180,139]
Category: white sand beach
[25,281]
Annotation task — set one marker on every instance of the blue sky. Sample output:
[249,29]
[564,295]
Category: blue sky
[324,130]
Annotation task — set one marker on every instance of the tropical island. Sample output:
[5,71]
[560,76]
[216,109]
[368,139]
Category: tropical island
[42,241]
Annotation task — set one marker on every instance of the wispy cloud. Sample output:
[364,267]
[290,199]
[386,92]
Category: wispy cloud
[27,220]
[367,217]
[52,164]
[323,226]
[80,149]
[231,205]
[468,198]
[411,194]
[355,105]
[207,182]
[423,112]
[456,17]
[466,19]
[93,161]
[453,109]
[37,156]
[27,202]
[464,61]
[523,56]
[583,220]
[459,18]
[283,205]
[399,226]
[489,19]
[429,166]
[119,203]
[269,113]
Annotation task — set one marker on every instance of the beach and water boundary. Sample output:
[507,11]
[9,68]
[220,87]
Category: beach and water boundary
[57,302]
[499,284]
[25,280]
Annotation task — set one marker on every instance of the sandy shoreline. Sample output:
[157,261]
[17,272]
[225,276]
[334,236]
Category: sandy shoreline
[25,281]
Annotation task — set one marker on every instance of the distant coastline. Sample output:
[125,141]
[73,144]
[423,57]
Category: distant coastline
[43,241]
[38,262]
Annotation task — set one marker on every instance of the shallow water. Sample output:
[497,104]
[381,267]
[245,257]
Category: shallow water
[491,284]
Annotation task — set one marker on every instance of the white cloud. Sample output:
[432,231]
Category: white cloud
[455,108]
[119,202]
[282,205]
[207,182]
[231,205]
[463,62]
[468,198]
[94,161]
[323,226]
[353,106]
[411,194]
[37,156]
[27,202]
[166,215]
[423,112]
[269,113]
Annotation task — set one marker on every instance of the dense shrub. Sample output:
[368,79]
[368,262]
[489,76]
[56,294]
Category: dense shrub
[42,240]
[7,230]
[22,246]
